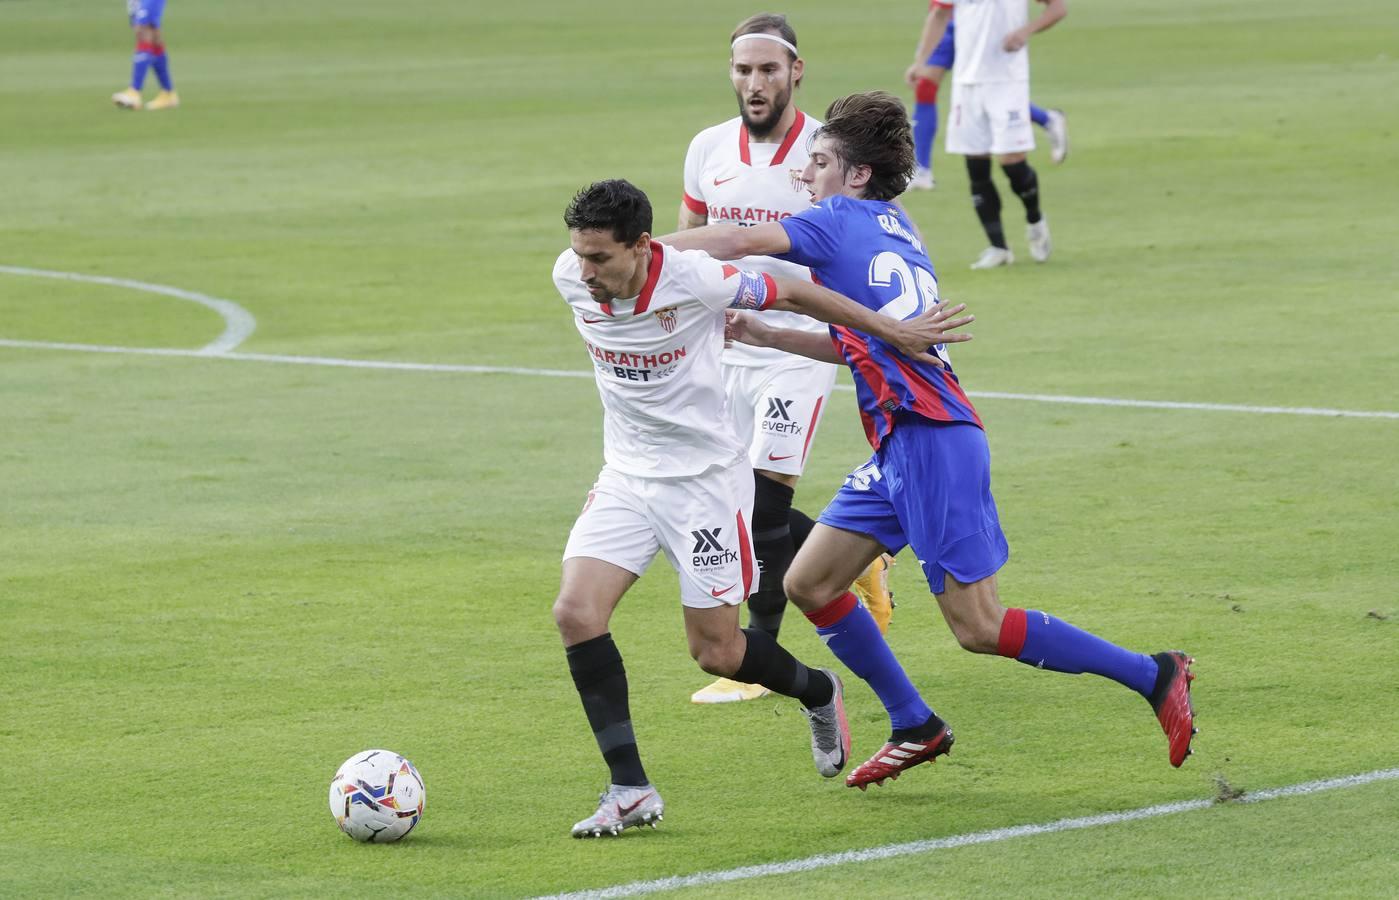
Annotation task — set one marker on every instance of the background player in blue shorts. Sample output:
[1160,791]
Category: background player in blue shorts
[926,80]
[145,18]
[928,485]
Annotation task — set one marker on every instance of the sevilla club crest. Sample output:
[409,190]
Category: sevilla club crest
[668,318]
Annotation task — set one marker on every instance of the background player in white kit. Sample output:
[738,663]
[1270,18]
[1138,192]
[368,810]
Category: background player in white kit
[991,108]
[676,479]
[747,171]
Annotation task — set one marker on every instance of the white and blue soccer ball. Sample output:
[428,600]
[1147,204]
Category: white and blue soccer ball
[377,796]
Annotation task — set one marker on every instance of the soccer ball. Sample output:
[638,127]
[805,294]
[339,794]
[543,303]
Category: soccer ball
[377,796]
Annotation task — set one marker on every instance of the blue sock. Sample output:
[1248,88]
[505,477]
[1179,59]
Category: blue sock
[161,63]
[140,62]
[850,632]
[925,131]
[1038,639]
[1039,116]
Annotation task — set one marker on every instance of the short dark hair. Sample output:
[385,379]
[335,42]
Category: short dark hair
[615,204]
[871,129]
[768,23]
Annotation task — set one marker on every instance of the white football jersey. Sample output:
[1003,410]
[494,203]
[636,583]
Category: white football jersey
[731,179]
[982,26]
[656,360]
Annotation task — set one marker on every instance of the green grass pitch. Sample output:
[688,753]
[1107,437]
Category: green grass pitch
[220,578]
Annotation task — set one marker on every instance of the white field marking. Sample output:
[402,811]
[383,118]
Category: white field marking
[890,851]
[580,373]
[238,322]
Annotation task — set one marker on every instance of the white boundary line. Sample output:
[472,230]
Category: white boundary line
[889,851]
[238,322]
[579,373]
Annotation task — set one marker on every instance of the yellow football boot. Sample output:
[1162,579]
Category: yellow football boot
[127,99]
[873,590]
[164,100]
[726,690]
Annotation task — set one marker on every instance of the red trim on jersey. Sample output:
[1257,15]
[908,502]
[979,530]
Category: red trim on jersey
[771,287]
[788,140]
[797,125]
[834,611]
[1012,639]
[653,275]
[935,4]
[855,350]
[924,394]
[745,555]
[605,306]
[695,206]
[811,428]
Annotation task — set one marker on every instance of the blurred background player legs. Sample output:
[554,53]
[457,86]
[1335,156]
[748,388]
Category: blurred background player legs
[925,115]
[145,16]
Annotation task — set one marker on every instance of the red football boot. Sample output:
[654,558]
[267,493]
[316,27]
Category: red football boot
[1171,701]
[898,755]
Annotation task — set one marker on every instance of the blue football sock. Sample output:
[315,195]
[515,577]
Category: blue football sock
[1050,643]
[140,62]
[925,131]
[1039,116]
[161,64]
[852,635]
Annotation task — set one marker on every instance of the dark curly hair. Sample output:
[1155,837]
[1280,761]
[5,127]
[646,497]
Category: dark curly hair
[616,205]
[871,129]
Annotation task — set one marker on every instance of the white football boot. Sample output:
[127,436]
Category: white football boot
[922,180]
[726,690]
[1038,236]
[620,807]
[992,257]
[1058,128]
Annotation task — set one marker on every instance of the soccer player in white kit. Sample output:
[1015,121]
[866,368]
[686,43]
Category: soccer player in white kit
[676,478]
[990,112]
[747,171]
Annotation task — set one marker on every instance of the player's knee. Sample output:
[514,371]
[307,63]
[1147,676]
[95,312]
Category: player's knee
[572,617]
[721,658]
[805,592]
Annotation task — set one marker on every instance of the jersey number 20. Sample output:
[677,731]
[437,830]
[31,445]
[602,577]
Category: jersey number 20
[918,289]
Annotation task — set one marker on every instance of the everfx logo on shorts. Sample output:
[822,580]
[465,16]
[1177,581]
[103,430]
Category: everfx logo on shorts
[709,552]
[778,419]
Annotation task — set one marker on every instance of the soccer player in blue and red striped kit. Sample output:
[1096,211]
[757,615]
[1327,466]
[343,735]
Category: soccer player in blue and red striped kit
[145,16]
[928,485]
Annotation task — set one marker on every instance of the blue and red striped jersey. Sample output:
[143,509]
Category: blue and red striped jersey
[868,251]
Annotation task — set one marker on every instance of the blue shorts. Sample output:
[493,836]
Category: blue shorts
[928,487]
[946,51]
[145,12]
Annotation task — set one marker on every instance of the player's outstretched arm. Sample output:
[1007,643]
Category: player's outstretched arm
[911,337]
[934,26]
[749,328]
[726,241]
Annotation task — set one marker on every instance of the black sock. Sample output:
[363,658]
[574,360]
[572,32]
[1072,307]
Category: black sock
[1026,185]
[801,525]
[986,201]
[772,541]
[928,729]
[768,663]
[597,671]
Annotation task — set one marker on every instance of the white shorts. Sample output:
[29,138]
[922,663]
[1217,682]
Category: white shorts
[700,522]
[776,410]
[990,118]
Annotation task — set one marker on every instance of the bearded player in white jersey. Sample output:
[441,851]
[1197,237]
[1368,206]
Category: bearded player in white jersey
[676,478]
[747,171]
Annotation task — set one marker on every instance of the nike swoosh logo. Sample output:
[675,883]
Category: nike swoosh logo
[625,810]
[717,593]
[778,458]
[719,181]
[589,321]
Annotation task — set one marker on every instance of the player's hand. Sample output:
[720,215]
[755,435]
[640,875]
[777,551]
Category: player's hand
[742,327]
[1016,39]
[919,71]
[935,326]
